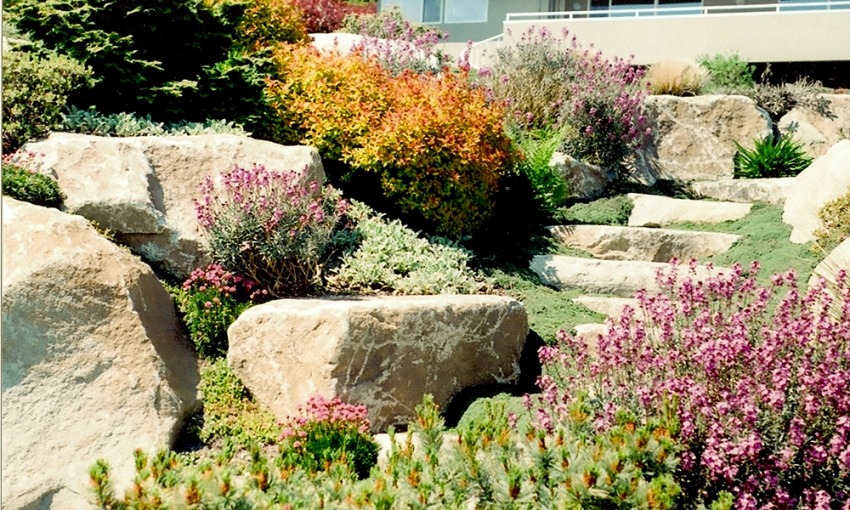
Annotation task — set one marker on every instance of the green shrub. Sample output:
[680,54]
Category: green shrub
[835,218]
[727,73]
[209,301]
[91,122]
[23,184]
[35,92]
[329,431]
[390,257]
[271,227]
[537,148]
[676,78]
[773,156]
[230,411]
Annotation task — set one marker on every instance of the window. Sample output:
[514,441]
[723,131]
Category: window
[411,10]
[431,11]
[466,11]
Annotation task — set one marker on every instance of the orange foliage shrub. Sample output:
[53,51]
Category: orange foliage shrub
[436,144]
[267,22]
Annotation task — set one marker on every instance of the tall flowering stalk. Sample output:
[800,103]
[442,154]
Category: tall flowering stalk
[760,377]
[271,227]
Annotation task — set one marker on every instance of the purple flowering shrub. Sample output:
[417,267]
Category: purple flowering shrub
[400,46]
[210,300]
[549,82]
[759,378]
[271,227]
[328,432]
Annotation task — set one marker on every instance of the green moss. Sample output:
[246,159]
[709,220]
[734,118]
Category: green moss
[549,310]
[605,211]
[764,238]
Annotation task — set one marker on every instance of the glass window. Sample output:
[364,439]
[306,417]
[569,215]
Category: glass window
[431,11]
[411,10]
[466,11]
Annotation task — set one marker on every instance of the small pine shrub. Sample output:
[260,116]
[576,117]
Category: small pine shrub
[329,431]
[209,301]
[727,73]
[36,89]
[835,218]
[21,183]
[676,78]
[773,156]
[230,412]
[271,227]
[390,257]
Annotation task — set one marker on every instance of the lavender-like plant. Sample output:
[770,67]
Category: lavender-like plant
[759,377]
[271,227]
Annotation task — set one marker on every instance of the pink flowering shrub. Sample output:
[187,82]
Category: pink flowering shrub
[271,227]
[328,432]
[553,83]
[759,378]
[210,300]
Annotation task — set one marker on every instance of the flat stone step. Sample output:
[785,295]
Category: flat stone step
[609,306]
[640,243]
[589,334]
[655,211]
[771,191]
[612,277]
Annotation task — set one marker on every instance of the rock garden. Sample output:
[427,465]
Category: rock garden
[244,267]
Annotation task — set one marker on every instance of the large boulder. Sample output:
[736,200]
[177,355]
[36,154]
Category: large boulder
[93,364]
[826,179]
[142,188]
[770,190]
[694,137]
[819,129]
[838,260]
[384,352]
[584,181]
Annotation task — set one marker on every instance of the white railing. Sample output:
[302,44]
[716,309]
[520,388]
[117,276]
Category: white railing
[686,10]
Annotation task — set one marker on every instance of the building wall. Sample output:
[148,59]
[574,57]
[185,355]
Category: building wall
[757,37]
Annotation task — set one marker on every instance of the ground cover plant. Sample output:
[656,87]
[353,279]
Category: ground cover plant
[91,122]
[22,181]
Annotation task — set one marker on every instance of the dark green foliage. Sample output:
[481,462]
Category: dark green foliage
[36,86]
[537,148]
[773,156]
[32,187]
[325,443]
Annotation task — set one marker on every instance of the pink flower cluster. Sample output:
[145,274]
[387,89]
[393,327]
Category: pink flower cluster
[399,46]
[28,160]
[760,376]
[215,276]
[319,409]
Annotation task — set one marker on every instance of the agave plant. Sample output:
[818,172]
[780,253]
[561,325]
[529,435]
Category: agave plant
[774,156]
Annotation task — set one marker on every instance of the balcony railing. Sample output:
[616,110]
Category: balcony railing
[684,10]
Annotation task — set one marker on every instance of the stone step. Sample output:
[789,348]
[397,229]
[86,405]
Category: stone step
[606,305]
[612,277]
[640,243]
[771,191]
[655,211]
[589,334]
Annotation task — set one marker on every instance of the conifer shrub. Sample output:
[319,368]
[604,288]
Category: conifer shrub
[36,88]
[431,144]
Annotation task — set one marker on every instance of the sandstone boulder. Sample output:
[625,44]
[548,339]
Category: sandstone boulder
[694,137]
[385,352]
[770,191]
[638,243]
[837,260]
[142,188]
[610,306]
[584,181]
[655,211]
[93,364]
[819,130]
[827,178]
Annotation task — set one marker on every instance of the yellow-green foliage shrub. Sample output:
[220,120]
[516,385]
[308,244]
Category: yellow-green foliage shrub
[267,22]
[436,145]
[676,78]
[835,217]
